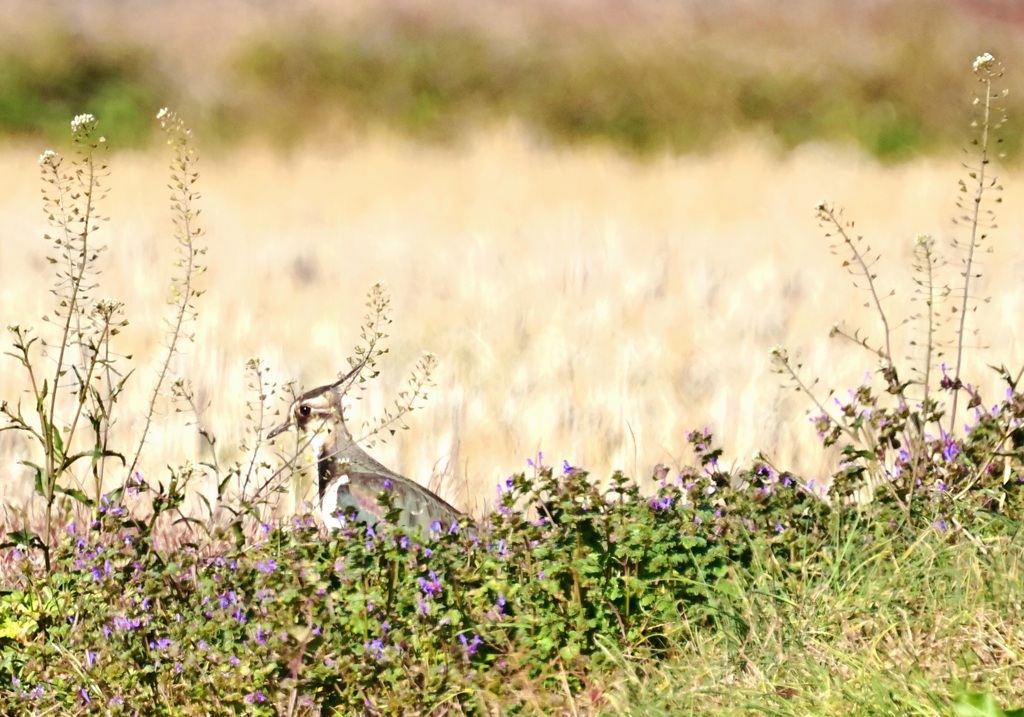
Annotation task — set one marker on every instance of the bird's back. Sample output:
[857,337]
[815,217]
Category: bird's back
[360,489]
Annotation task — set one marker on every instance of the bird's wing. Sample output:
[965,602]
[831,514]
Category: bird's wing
[419,505]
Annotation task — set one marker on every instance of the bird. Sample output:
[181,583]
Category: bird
[350,478]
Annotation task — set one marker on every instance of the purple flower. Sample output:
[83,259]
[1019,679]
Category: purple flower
[122,624]
[470,645]
[431,588]
[377,648]
[266,566]
[387,484]
[501,550]
[940,525]
[663,503]
[951,450]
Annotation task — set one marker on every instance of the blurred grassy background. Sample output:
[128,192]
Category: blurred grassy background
[512,172]
[644,77]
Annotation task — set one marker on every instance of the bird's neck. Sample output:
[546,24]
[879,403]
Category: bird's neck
[326,470]
[331,458]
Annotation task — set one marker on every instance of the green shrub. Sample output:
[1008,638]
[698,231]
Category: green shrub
[56,76]
[443,81]
[440,82]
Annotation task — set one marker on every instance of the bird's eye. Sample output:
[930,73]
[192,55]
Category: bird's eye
[304,411]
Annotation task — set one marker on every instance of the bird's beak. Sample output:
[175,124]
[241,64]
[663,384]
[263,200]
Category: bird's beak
[279,430]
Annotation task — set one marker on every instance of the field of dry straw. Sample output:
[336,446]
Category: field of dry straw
[581,304]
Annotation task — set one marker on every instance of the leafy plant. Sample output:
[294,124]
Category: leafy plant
[80,355]
[900,437]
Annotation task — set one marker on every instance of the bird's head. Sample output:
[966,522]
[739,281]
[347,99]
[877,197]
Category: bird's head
[320,411]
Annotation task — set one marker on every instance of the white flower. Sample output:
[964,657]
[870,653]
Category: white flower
[984,61]
[164,111]
[924,240]
[48,159]
[83,124]
[820,206]
[14,328]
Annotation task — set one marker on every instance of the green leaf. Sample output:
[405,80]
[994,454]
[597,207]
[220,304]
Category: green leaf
[236,529]
[975,704]
[22,537]
[73,493]
[569,651]
[95,453]
[20,630]
[40,490]
[57,440]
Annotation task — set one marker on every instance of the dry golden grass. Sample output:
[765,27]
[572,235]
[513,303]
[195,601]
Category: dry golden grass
[580,304]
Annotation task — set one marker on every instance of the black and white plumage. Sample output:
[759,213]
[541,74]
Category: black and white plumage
[349,477]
